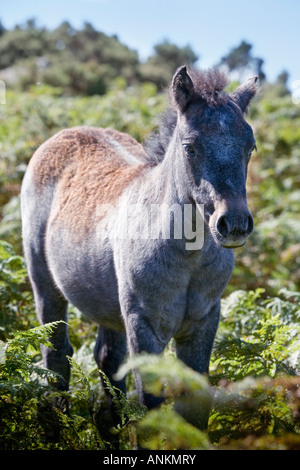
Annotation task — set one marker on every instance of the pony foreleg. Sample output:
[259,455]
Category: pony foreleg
[141,338]
[195,351]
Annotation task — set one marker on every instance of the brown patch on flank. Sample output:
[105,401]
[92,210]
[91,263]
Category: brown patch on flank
[84,188]
[88,170]
[50,159]
[72,145]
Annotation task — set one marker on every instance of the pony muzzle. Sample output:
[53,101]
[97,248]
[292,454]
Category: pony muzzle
[231,229]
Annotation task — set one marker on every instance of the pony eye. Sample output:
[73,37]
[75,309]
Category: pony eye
[189,150]
[251,151]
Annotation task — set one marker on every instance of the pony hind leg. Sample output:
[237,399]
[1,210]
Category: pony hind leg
[51,306]
[110,351]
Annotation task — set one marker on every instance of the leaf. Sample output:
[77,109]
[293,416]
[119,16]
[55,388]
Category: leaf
[164,429]
[3,347]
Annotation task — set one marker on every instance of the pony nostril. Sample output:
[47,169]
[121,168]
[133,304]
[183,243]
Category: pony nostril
[250,224]
[222,226]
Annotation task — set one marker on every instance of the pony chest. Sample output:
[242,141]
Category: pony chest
[156,281]
[165,280]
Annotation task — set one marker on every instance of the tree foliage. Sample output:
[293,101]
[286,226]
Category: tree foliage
[240,59]
[160,67]
[82,61]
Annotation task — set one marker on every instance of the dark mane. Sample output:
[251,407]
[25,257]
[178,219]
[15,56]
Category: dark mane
[209,86]
[156,144]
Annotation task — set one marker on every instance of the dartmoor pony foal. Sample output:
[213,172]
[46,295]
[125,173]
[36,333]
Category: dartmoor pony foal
[87,197]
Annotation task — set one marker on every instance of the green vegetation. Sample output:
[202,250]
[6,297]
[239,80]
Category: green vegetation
[256,359]
[81,61]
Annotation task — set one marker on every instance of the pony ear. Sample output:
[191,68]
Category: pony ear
[183,88]
[244,93]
